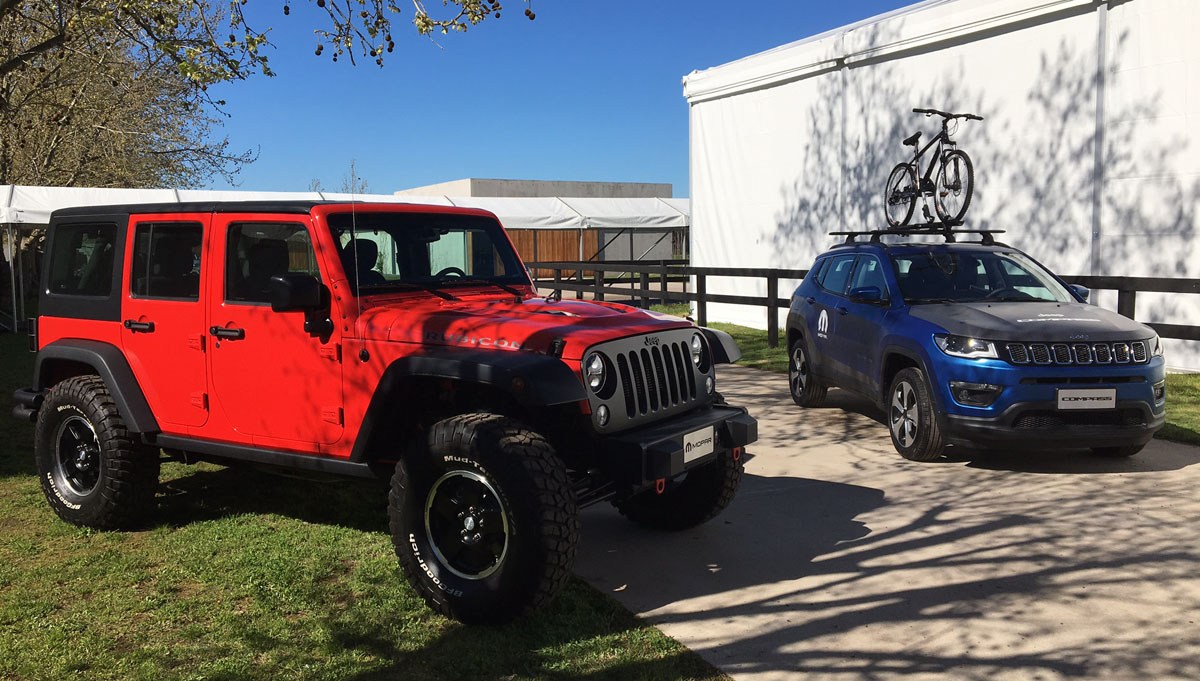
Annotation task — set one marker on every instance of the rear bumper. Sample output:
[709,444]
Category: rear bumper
[28,402]
[659,451]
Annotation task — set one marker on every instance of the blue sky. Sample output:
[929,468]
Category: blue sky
[588,91]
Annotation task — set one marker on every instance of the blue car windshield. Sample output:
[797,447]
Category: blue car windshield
[937,276]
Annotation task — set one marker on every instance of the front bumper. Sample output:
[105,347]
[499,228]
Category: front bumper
[1040,425]
[643,456]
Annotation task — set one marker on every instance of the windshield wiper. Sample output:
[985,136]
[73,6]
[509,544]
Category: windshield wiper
[479,280]
[919,301]
[424,287]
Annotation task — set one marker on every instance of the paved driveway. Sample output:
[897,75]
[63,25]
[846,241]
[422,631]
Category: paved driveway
[841,560]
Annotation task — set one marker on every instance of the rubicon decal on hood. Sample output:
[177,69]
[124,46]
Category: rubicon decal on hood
[479,341]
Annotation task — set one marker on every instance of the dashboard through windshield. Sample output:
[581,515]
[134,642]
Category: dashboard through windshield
[383,252]
[976,276]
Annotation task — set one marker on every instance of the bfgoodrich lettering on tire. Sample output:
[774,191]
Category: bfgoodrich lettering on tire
[93,472]
[484,519]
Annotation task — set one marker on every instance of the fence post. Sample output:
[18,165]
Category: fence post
[644,285]
[773,310]
[1126,302]
[701,304]
[579,280]
[558,281]
[663,281]
[598,276]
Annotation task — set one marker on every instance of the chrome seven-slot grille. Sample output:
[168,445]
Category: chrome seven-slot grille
[1131,352]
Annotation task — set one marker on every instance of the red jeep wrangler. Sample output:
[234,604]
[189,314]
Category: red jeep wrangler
[387,340]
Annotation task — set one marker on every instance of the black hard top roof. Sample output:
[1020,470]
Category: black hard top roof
[296,206]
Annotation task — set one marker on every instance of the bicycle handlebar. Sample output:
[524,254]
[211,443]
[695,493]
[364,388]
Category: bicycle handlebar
[930,112]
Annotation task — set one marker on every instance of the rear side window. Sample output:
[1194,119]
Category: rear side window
[81,260]
[836,274]
[166,260]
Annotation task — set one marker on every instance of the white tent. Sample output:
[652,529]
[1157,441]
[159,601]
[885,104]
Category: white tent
[1088,155]
[21,205]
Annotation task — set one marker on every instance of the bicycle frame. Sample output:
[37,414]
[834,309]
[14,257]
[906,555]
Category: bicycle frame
[942,140]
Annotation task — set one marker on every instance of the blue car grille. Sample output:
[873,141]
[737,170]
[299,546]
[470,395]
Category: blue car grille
[1132,352]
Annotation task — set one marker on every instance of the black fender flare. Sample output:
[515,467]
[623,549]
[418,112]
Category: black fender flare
[533,380]
[110,364]
[724,349]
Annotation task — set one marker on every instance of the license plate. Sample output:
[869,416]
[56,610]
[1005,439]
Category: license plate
[698,443]
[1096,398]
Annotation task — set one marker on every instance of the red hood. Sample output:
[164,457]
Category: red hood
[503,323]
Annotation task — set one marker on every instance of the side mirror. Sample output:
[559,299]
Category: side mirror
[295,292]
[1082,291]
[872,295]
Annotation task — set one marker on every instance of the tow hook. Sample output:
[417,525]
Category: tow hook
[737,454]
[660,485]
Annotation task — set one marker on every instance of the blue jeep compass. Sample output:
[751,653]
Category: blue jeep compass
[972,343]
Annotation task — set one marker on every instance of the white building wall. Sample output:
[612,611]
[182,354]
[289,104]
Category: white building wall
[1088,157]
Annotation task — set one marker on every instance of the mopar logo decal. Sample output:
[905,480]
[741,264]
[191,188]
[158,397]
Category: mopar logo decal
[823,325]
[651,340]
[706,442]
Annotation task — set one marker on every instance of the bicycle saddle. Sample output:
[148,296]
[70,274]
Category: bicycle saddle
[914,140]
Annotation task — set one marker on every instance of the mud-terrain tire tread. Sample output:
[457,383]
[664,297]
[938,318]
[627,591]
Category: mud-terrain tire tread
[124,494]
[498,441]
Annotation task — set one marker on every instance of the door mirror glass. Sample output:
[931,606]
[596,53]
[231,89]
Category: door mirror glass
[867,294]
[295,292]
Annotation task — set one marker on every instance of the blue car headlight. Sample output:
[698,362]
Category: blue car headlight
[967,348]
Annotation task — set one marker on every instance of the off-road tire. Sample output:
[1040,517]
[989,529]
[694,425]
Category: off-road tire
[1117,452]
[807,390]
[94,473]
[911,420]
[509,475]
[690,500]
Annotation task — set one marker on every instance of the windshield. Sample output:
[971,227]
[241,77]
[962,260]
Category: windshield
[961,276]
[406,251]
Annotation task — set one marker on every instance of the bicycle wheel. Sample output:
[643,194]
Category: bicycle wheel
[900,195]
[954,186]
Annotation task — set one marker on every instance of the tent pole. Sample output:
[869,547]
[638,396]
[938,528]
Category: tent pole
[12,272]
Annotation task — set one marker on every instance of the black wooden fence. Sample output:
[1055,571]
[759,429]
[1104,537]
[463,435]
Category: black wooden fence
[661,280]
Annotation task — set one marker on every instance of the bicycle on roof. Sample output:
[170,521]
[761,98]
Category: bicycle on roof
[951,187]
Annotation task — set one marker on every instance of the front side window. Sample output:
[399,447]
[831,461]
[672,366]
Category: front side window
[976,276]
[868,273]
[81,260]
[402,251]
[257,251]
[166,260]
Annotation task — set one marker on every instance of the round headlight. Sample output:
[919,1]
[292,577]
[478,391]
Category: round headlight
[697,349]
[593,370]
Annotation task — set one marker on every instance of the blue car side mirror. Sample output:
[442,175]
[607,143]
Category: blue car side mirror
[867,294]
[1082,291]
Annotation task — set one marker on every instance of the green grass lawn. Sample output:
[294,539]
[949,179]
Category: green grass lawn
[251,576]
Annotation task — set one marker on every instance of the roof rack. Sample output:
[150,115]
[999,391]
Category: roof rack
[923,230]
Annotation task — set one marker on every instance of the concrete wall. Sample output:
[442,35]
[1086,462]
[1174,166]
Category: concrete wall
[1088,157]
[543,188]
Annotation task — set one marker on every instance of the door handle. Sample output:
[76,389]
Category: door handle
[139,327]
[843,311]
[227,334]
[810,300]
